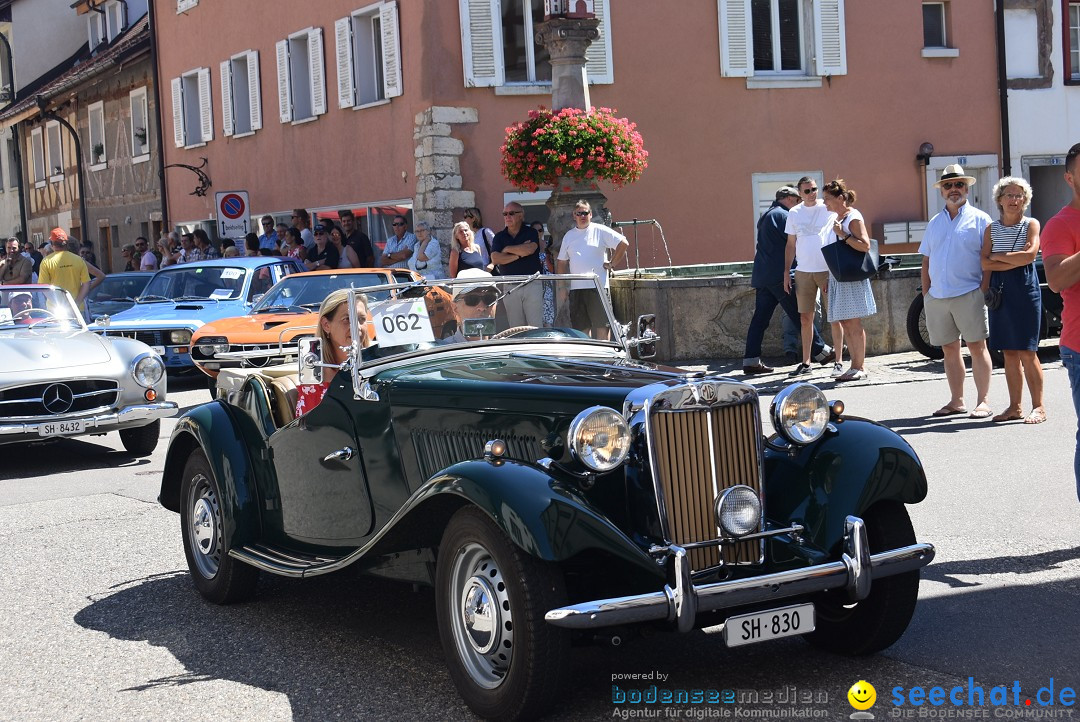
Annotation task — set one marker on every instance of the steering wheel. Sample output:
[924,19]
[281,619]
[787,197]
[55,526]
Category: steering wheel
[28,313]
[536,332]
[516,330]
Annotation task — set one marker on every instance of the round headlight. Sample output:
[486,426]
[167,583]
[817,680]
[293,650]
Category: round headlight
[800,413]
[738,511]
[182,336]
[600,438]
[148,370]
[209,349]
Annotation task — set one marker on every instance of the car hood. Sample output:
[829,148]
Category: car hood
[189,313]
[261,328]
[35,352]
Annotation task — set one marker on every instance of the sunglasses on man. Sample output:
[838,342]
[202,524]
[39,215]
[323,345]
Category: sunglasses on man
[582,214]
[949,185]
[808,191]
[474,299]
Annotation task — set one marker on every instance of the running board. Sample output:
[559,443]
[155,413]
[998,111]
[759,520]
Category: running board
[286,564]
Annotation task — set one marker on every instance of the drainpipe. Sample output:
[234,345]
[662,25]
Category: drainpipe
[79,171]
[166,224]
[1003,89]
[17,145]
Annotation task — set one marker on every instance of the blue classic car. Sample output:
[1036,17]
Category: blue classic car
[117,293]
[180,299]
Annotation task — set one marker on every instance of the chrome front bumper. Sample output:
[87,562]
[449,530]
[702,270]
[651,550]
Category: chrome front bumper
[92,423]
[680,603]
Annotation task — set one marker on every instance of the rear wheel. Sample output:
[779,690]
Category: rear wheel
[870,625]
[217,576]
[916,330]
[491,597]
[141,440]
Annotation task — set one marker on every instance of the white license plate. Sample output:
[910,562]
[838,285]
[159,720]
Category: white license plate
[60,428]
[159,350]
[773,624]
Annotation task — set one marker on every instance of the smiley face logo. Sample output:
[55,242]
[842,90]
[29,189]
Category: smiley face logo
[862,695]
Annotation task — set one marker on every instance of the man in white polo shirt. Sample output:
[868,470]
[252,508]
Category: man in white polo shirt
[807,226]
[585,249]
[953,282]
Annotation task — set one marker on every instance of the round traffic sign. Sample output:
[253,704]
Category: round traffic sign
[232,206]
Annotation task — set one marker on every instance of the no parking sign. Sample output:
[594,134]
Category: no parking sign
[232,213]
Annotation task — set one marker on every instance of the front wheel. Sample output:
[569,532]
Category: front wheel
[491,597]
[217,576]
[141,440]
[870,625]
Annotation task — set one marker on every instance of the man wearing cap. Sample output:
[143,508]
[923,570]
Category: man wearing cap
[67,270]
[1061,258]
[473,301]
[769,269]
[953,282]
[807,226]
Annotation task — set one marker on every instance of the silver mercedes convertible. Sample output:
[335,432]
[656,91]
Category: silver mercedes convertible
[59,379]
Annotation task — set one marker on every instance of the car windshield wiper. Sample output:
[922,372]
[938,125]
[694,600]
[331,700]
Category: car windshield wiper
[196,298]
[516,286]
[279,309]
[151,299]
[310,306]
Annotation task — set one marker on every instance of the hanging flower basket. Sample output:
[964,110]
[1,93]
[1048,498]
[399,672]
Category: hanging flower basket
[575,144]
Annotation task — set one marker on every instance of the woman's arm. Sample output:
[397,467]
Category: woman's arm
[454,253]
[1015,259]
[992,261]
[857,236]
[351,255]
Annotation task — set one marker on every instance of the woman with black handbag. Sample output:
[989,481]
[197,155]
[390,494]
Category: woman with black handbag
[849,301]
[1013,297]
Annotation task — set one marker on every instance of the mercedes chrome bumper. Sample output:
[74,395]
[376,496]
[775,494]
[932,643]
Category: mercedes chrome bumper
[95,423]
[681,601]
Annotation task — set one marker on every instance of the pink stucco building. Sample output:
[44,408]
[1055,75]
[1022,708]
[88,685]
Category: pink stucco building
[403,104]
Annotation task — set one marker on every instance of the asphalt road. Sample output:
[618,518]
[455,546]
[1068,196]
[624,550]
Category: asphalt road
[99,620]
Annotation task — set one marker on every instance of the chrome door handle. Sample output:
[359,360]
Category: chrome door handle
[340,455]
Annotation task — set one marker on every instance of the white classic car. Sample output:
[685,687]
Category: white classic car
[59,379]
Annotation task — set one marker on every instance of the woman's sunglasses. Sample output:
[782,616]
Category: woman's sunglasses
[475,299]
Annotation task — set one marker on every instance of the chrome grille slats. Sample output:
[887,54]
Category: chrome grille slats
[27,402]
[438,449]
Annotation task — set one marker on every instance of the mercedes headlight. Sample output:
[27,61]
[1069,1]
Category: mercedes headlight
[738,511]
[600,438]
[210,345]
[800,413]
[147,369]
[181,337]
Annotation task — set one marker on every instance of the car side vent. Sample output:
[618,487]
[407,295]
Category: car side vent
[436,450]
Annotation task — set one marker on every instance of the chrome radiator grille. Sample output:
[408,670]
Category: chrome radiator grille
[698,453]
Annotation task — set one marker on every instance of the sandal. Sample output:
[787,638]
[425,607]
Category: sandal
[949,411]
[1037,416]
[982,411]
[1008,416]
[852,375]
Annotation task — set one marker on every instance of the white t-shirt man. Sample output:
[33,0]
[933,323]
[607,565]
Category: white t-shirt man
[586,250]
[811,226]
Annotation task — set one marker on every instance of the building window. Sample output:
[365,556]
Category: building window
[140,125]
[54,152]
[778,36]
[1072,39]
[765,186]
[6,83]
[13,176]
[185,5]
[241,99]
[95,28]
[498,48]
[368,56]
[778,42]
[96,127]
[37,154]
[193,119]
[933,25]
[301,78]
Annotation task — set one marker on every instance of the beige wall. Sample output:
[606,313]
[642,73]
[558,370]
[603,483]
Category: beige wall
[705,134]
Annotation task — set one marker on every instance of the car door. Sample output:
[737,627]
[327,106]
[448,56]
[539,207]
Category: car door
[322,495]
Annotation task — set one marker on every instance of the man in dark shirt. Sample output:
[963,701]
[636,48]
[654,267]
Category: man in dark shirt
[766,280]
[325,253]
[515,250]
[357,239]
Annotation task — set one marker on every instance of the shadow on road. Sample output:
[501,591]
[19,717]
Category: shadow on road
[65,455]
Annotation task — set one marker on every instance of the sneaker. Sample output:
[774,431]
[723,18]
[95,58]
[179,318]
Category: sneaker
[852,375]
[801,370]
[826,357]
[837,370]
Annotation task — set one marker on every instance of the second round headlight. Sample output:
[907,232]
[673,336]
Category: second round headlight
[800,413]
[148,370]
[182,336]
[600,438]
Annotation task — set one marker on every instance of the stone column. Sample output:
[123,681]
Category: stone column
[439,188]
[566,40]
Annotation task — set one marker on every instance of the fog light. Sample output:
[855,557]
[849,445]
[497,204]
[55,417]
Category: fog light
[150,395]
[738,511]
[495,449]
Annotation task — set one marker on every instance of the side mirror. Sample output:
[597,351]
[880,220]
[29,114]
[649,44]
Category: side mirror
[645,343]
[311,363]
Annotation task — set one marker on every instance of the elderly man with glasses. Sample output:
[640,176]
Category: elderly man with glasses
[400,246]
[515,250]
[585,249]
[268,239]
[953,282]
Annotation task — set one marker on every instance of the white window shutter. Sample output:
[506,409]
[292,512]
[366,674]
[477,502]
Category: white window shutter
[598,55]
[254,89]
[830,44]
[391,49]
[481,42]
[206,105]
[346,85]
[283,89]
[318,72]
[178,112]
[226,98]
[736,39]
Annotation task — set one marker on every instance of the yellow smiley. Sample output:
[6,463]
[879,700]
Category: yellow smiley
[862,695]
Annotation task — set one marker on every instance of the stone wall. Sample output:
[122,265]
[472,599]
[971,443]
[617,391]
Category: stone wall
[438,170]
[707,317]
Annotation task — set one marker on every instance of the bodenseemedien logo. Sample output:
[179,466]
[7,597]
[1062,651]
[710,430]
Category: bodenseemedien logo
[862,696]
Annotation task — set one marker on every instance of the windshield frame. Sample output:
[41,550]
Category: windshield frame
[73,321]
[313,277]
[167,273]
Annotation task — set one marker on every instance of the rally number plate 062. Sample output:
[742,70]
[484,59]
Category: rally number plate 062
[773,624]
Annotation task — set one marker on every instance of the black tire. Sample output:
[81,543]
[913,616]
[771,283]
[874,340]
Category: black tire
[211,383]
[879,620]
[916,330]
[141,440]
[515,672]
[218,577]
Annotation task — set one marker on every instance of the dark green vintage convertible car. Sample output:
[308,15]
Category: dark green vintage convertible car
[552,488]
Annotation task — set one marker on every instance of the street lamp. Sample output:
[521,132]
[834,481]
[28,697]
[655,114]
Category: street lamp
[925,151]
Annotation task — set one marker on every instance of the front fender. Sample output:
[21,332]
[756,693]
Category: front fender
[844,472]
[222,435]
[542,515]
